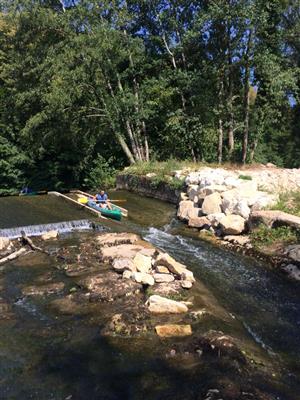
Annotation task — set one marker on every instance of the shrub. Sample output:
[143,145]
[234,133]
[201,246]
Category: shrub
[101,175]
[267,236]
[245,177]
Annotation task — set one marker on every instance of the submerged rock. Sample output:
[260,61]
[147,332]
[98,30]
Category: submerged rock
[173,330]
[292,271]
[161,305]
[41,290]
[115,239]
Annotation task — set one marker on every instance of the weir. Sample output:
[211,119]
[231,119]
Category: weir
[37,230]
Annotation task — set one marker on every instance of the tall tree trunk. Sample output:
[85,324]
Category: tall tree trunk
[230,93]
[252,149]
[247,98]
[220,120]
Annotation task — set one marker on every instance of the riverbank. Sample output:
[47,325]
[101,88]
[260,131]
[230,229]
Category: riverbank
[227,202]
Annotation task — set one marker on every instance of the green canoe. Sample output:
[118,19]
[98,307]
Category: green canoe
[115,213]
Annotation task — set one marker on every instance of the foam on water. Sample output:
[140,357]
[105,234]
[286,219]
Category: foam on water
[37,230]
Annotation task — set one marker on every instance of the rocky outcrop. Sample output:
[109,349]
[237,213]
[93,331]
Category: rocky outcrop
[161,305]
[115,239]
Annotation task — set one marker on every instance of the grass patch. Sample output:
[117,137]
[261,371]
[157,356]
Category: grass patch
[245,177]
[264,236]
[289,202]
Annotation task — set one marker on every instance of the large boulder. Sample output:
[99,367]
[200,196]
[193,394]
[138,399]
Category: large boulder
[143,278]
[241,208]
[4,243]
[192,178]
[184,206]
[194,212]
[173,330]
[160,305]
[215,219]
[142,263]
[192,191]
[232,224]
[212,204]
[173,266]
[274,218]
[199,222]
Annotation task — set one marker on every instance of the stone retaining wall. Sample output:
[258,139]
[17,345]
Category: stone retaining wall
[147,187]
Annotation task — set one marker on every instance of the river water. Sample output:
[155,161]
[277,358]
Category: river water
[50,356]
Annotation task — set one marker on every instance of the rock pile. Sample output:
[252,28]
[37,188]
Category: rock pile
[221,200]
[142,263]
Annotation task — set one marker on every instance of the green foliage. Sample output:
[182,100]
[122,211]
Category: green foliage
[101,174]
[245,177]
[264,236]
[165,76]
[289,202]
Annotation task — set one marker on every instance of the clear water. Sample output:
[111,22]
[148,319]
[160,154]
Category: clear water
[47,355]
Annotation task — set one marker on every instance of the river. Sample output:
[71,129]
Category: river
[49,356]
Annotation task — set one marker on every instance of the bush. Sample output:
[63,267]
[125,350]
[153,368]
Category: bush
[101,175]
[245,177]
[289,202]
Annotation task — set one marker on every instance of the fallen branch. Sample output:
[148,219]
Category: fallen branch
[27,241]
[14,255]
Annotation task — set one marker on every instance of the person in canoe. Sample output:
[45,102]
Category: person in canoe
[102,199]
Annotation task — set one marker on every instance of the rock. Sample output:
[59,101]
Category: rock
[115,239]
[160,278]
[232,225]
[192,178]
[127,274]
[215,219]
[183,196]
[50,235]
[232,182]
[273,218]
[239,240]
[293,252]
[186,284]
[41,290]
[262,200]
[212,204]
[271,165]
[194,212]
[188,276]
[184,206]
[142,263]
[143,278]
[248,189]
[161,305]
[151,175]
[173,330]
[293,271]
[160,269]
[192,191]
[241,208]
[108,254]
[4,243]
[122,264]
[173,266]
[199,222]
[198,314]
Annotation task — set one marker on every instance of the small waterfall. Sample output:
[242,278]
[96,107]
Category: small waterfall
[61,227]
